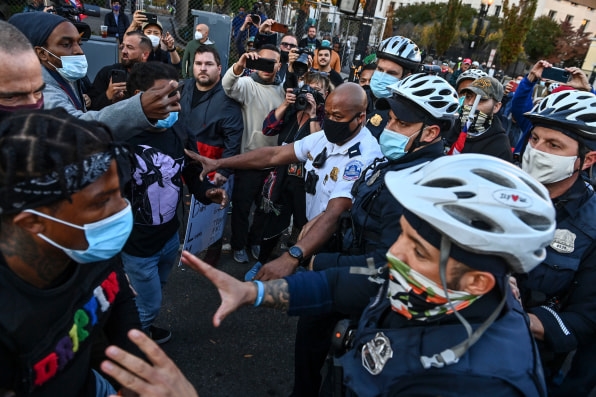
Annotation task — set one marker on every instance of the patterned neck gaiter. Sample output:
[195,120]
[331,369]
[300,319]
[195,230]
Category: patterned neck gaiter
[414,296]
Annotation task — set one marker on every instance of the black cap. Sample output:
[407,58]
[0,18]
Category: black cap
[403,109]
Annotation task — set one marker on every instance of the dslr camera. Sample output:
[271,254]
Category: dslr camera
[301,64]
[301,101]
[254,15]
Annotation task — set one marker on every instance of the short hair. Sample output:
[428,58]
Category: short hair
[369,66]
[207,48]
[288,35]
[12,40]
[145,42]
[269,47]
[324,49]
[143,75]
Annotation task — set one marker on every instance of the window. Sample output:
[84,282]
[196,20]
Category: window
[583,26]
[497,10]
[569,18]
[552,14]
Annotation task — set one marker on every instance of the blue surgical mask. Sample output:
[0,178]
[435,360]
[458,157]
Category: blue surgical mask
[380,82]
[168,121]
[74,67]
[393,144]
[105,237]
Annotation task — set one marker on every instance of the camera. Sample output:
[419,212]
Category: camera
[433,70]
[73,14]
[254,15]
[301,64]
[301,101]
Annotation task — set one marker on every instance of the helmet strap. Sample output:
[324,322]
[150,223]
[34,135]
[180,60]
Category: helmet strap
[452,355]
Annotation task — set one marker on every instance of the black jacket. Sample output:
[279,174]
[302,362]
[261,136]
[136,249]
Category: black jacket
[494,142]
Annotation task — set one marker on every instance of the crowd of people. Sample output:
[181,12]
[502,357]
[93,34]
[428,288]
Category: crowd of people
[435,251]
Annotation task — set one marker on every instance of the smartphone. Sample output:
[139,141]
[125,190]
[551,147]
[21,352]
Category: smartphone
[151,18]
[279,27]
[118,76]
[556,74]
[178,89]
[264,64]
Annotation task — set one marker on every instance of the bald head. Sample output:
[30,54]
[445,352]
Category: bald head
[12,40]
[204,30]
[350,96]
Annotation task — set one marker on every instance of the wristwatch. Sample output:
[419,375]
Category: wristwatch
[172,50]
[296,252]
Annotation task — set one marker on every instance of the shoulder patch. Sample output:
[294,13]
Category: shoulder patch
[354,150]
[353,170]
[564,241]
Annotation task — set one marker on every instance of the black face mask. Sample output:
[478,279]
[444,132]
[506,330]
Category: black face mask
[285,56]
[338,131]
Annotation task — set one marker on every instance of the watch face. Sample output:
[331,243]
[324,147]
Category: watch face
[295,252]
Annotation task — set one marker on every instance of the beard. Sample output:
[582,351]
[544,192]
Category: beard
[205,81]
[129,63]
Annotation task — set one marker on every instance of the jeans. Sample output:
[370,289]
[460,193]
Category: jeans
[103,388]
[148,276]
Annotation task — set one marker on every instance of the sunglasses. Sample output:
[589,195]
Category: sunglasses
[288,45]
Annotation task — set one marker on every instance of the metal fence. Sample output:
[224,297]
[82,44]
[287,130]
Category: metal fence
[342,28]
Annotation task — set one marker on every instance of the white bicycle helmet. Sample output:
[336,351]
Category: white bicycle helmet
[571,112]
[402,51]
[431,93]
[470,74]
[483,204]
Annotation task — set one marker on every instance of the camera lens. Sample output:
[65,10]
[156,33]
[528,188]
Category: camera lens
[301,102]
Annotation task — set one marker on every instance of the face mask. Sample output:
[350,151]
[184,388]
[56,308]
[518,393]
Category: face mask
[415,296]
[198,36]
[546,167]
[379,83]
[31,106]
[480,125]
[154,40]
[74,67]
[335,131]
[393,144]
[116,8]
[168,121]
[105,237]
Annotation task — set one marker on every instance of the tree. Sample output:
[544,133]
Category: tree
[448,27]
[517,21]
[542,38]
[571,46]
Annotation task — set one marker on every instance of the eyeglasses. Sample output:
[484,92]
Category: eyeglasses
[289,45]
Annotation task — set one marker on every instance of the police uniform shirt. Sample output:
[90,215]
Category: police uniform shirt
[341,168]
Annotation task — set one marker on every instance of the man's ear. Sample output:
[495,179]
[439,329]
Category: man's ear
[430,133]
[590,159]
[29,222]
[42,54]
[477,283]
[497,107]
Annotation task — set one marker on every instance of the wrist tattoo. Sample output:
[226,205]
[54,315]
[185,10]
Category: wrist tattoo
[277,294]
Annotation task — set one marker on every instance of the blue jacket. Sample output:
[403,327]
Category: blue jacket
[375,214]
[560,291]
[503,362]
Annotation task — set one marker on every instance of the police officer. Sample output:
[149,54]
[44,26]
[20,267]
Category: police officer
[334,159]
[397,57]
[468,221]
[559,294]
[421,108]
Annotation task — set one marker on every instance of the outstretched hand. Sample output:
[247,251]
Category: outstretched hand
[158,379]
[233,293]
[218,196]
[207,163]
[156,102]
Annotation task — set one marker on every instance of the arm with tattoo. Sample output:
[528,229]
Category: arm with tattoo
[277,294]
